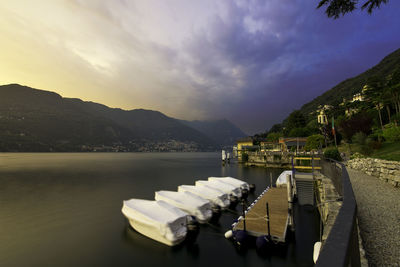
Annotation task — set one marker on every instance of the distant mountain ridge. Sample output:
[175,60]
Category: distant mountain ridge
[220,131]
[38,120]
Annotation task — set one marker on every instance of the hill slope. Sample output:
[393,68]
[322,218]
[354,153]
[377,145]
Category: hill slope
[220,131]
[37,120]
[351,86]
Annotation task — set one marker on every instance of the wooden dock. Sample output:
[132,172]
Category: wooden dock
[256,215]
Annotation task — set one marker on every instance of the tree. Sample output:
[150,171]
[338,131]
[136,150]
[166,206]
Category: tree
[314,142]
[375,94]
[360,122]
[276,128]
[295,120]
[299,132]
[341,7]
[274,137]
[394,89]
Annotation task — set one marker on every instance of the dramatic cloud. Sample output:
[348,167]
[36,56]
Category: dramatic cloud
[252,62]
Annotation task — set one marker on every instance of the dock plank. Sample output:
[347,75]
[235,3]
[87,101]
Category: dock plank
[256,223]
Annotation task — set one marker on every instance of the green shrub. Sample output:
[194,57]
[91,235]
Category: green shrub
[314,142]
[245,157]
[332,153]
[392,133]
[359,138]
[357,155]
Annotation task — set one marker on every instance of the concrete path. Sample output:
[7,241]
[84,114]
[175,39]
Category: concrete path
[379,218]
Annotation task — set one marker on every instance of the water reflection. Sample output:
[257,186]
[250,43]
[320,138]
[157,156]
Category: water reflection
[64,209]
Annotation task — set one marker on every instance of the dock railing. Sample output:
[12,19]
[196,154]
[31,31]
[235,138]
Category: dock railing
[341,247]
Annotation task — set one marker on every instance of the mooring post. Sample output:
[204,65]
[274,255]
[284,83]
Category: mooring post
[290,200]
[270,179]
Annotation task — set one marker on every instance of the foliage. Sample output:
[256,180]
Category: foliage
[245,157]
[296,119]
[389,151]
[349,87]
[299,132]
[314,142]
[360,122]
[274,137]
[357,155]
[313,127]
[391,133]
[335,8]
[365,143]
[276,128]
[332,153]
[359,138]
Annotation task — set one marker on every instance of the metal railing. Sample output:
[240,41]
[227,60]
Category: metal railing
[341,247]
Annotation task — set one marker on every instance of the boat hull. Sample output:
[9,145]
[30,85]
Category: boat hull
[154,233]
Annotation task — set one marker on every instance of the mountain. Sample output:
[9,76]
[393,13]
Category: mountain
[349,87]
[220,131]
[38,120]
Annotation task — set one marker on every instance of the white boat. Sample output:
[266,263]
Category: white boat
[188,202]
[224,187]
[232,181]
[281,181]
[215,196]
[223,155]
[157,220]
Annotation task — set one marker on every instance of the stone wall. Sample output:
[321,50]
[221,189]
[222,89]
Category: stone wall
[388,171]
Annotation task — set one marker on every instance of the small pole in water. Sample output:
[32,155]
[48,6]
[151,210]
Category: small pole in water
[269,233]
[270,179]
[244,216]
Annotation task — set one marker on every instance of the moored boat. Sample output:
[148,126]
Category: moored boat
[232,181]
[157,220]
[215,196]
[188,202]
[224,187]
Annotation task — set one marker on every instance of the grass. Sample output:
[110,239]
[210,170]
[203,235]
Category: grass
[388,151]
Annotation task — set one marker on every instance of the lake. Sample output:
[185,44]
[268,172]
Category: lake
[64,209]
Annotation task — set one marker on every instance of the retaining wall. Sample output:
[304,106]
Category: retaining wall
[388,171]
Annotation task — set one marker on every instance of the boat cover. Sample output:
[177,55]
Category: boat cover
[188,202]
[167,219]
[216,196]
[224,187]
[281,181]
[232,181]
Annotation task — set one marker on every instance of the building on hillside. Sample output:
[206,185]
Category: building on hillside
[266,146]
[292,143]
[322,118]
[321,111]
[244,144]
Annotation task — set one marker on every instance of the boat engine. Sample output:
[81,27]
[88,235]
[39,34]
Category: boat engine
[192,228]
[245,193]
[216,213]
[252,188]
[234,200]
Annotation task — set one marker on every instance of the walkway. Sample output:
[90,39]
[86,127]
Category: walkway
[379,218]
[256,223]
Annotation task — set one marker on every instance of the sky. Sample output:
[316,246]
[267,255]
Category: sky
[251,62]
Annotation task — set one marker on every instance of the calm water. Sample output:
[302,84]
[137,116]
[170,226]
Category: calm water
[65,210]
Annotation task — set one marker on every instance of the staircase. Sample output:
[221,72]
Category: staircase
[305,189]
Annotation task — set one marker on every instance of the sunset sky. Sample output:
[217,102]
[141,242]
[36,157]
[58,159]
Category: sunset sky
[252,62]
